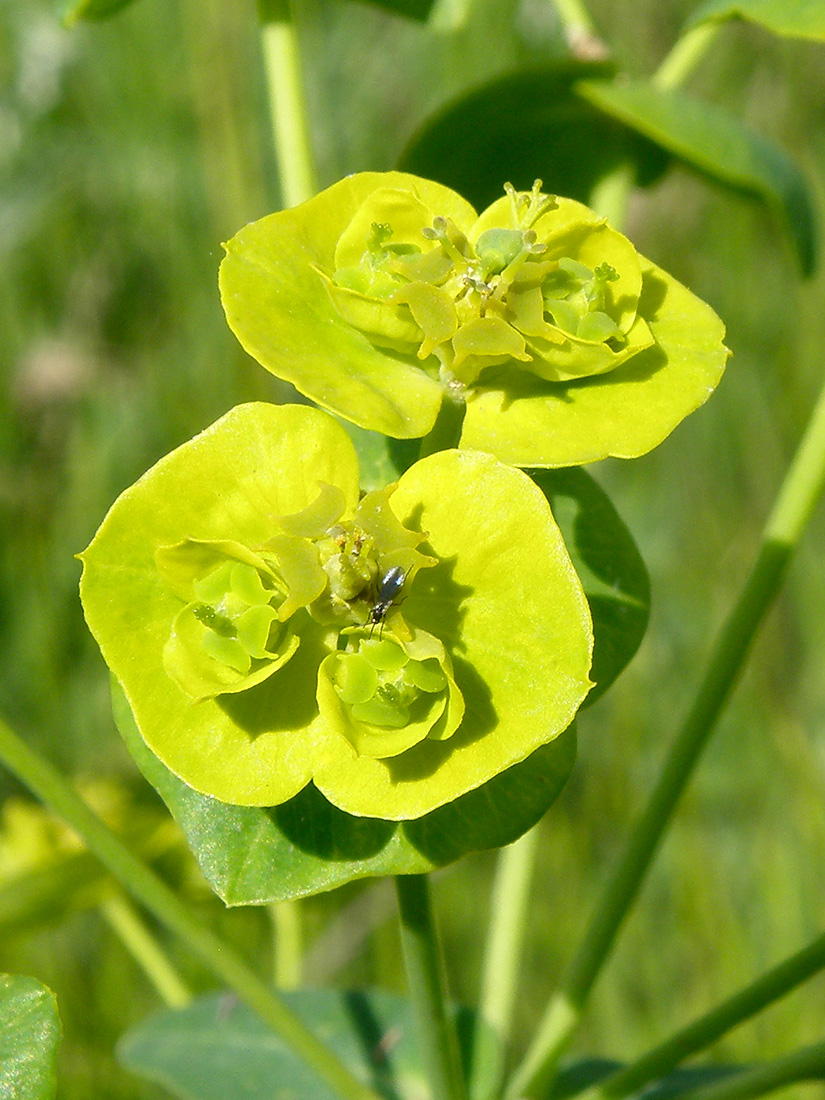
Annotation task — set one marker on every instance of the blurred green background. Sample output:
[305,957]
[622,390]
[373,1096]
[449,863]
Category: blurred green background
[128,150]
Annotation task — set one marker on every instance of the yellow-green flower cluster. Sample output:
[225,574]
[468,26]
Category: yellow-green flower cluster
[385,291]
[271,625]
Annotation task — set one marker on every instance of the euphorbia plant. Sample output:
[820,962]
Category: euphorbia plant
[333,667]
[275,629]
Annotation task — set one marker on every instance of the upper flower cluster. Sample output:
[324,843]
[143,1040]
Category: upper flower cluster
[538,281]
[271,625]
[386,289]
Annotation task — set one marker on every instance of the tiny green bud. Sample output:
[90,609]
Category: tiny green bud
[497,248]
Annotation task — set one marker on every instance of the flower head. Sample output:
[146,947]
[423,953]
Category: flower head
[270,625]
[386,289]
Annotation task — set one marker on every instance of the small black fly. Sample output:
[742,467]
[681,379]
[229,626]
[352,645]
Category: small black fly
[391,584]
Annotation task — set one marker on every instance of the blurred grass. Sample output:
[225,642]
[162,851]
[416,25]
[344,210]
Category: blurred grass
[128,150]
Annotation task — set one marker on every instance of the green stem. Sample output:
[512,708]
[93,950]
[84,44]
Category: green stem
[806,1064]
[698,1035]
[149,891]
[574,16]
[446,432]
[284,81]
[611,194]
[288,927]
[502,959]
[428,987]
[580,32]
[685,56]
[123,919]
[797,496]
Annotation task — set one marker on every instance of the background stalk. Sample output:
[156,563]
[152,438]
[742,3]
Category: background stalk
[502,961]
[797,496]
[126,923]
[766,990]
[288,929]
[428,987]
[287,102]
[806,1064]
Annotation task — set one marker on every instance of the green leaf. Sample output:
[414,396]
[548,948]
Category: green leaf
[29,1034]
[215,1048]
[72,11]
[251,855]
[524,125]
[718,145]
[609,566]
[794,18]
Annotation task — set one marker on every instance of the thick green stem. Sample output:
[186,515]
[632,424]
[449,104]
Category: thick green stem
[806,1064]
[148,890]
[800,491]
[288,928]
[428,987]
[124,920]
[284,81]
[714,1024]
[502,960]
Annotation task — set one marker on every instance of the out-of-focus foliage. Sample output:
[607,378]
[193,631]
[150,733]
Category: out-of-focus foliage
[73,10]
[805,18]
[129,149]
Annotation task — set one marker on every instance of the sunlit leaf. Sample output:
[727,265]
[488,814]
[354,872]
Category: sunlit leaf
[29,1034]
[259,745]
[718,145]
[556,407]
[795,18]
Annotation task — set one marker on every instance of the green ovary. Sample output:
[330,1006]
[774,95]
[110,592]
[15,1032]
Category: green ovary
[236,612]
[386,696]
[231,632]
[381,685]
[356,553]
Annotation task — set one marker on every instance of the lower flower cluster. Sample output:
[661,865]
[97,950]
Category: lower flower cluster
[285,628]
[243,617]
